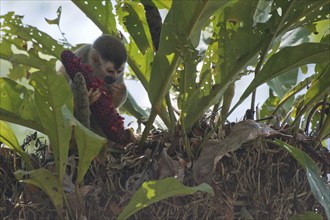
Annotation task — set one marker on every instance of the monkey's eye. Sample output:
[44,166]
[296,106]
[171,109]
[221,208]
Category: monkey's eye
[111,72]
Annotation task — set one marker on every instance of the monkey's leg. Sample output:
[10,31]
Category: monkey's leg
[81,101]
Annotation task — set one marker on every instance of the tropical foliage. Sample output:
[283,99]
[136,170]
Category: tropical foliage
[189,64]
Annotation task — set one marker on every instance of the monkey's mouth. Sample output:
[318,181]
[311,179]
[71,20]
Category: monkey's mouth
[109,79]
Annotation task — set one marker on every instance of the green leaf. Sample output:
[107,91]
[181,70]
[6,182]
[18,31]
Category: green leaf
[283,83]
[18,71]
[140,63]
[295,37]
[100,12]
[307,216]
[47,182]
[185,18]
[287,59]
[187,77]
[319,88]
[136,23]
[56,20]
[324,133]
[269,105]
[300,86]
[318,186]
[8,137]
[89,143]
[298,14]
[261,15]
[154,191]
[51,93]
[133,108]
[29,39]
[233,47]
[31,59]
[18,106]
[163,4]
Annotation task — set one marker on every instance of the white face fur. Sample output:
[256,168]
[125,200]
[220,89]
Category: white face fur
[106,69]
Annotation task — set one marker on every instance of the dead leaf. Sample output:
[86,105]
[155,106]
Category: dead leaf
[76,203]
[167,167]
[214,150]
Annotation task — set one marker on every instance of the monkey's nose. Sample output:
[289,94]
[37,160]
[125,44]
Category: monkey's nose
[109,79]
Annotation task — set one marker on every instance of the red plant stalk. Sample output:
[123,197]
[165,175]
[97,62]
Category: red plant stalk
[104,112]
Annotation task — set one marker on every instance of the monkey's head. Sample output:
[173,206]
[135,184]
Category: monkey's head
[108,58]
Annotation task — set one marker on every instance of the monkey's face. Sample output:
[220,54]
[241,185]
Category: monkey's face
[109,73]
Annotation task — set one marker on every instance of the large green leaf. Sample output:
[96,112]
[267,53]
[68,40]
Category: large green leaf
[187,77]
[51,93]
[287,59]
[46,181]
[8,137]
[318,186]
[233,46]
[136,23]
[89,143]
[163,4]
[297,88]
[100,12]
[325,130]
[26,47]
[18,106]
[156,190]
[319,88]
[31,60]
[307,216]
[140,63]
[283,84]
[29,39]
[131,107]
[298,14]
[184,20]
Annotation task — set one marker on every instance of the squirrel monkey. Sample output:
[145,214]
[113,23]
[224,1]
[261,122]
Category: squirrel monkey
[107,58]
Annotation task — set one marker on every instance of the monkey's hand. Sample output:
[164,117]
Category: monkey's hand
[118,92]
[93,95]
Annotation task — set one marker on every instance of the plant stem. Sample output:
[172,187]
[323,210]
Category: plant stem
[149,124]
[266,49]
[171,113]
[157,105]
[67,206]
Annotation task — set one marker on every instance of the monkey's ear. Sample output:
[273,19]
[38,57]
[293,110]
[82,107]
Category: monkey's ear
[94,56]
